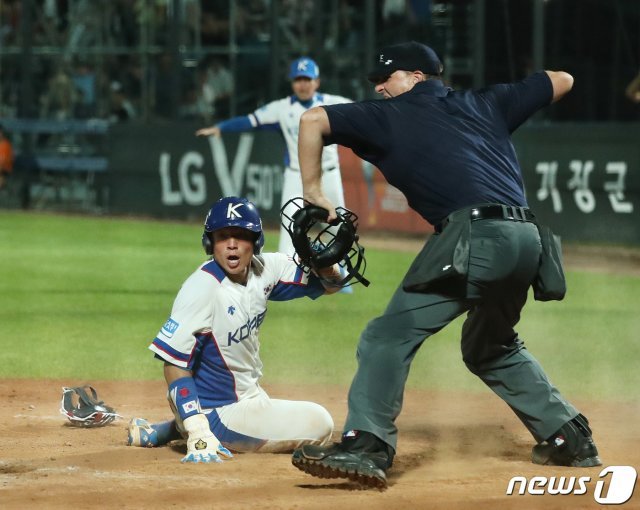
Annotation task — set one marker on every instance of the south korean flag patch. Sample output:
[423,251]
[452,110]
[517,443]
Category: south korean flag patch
[190,407]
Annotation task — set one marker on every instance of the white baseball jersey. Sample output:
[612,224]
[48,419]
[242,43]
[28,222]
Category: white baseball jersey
[285,113]
[214,324]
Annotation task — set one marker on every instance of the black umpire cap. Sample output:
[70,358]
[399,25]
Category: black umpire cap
[409,56]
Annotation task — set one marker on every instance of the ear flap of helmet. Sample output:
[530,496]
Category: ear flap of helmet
[257,246]
[206,243]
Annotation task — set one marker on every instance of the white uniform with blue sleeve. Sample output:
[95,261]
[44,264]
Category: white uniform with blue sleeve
[285,114]
[213,331]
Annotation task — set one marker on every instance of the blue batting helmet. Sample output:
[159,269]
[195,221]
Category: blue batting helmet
[304,67]
[233,212]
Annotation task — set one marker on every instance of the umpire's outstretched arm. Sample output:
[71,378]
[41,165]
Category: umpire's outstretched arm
[314,125]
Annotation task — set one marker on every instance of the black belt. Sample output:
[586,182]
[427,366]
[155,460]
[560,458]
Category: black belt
[489,212]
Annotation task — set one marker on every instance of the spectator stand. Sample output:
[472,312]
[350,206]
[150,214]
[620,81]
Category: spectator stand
[67,163]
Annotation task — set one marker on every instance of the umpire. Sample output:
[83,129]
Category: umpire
[451,155]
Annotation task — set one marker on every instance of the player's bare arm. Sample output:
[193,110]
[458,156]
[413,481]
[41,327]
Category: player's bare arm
[330,274]
[314,124]
[173,373]
[562,83]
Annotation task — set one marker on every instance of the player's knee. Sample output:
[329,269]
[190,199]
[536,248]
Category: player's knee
[311,424]
[327,428]
[322,424]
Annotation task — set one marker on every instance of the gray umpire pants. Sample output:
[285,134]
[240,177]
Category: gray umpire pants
[504,257]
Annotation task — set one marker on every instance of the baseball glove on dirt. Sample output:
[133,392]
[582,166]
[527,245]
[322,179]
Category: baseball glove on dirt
[335,243]
[81,405]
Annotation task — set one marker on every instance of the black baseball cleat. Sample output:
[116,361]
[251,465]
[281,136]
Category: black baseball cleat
[360,457]
[572,445]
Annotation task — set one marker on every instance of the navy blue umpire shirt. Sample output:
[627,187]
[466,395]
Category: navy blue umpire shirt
[444,149]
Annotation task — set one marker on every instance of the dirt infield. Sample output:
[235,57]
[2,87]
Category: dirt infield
[455,451]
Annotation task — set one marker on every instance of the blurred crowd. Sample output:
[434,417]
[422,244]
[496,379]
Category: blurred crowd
[94,64]
[208,59]
[112,59]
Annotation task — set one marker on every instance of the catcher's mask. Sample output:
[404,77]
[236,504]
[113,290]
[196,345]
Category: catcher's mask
[334,243]
[233,212]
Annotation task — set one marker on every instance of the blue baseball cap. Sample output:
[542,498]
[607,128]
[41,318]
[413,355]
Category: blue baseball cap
[304,67]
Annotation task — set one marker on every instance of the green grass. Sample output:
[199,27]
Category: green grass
[83,297]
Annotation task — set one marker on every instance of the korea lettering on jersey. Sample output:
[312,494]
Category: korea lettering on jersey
[286,114]
[214,324]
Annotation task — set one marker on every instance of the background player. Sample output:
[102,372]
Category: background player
[284,114]
[210,347]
